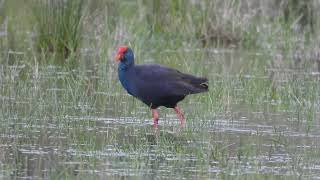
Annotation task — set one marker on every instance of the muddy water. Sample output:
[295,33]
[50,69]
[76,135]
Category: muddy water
[67,124]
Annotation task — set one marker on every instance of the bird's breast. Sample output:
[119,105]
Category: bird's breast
[126,81]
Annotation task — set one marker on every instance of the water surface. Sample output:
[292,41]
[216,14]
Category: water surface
[58,123]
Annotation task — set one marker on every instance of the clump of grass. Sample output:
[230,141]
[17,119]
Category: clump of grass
[59,27]
[219,25]
[299,13]
[212,23]
[2,12]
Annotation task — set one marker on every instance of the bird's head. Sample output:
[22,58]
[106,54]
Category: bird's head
[125,55]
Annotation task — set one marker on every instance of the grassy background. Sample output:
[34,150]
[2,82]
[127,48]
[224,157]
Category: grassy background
[60,93]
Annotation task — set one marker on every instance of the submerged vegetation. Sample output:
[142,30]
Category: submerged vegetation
[64,115]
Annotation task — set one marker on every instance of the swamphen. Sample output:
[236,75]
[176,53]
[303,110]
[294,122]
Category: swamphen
[156,85]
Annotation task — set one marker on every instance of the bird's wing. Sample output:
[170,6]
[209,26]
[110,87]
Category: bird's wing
[168,81]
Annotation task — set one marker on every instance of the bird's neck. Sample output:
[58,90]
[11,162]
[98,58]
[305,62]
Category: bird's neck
[124,74]
[124,66]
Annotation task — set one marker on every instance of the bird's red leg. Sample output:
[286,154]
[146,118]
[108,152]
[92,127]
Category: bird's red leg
[155,118]
[179,112]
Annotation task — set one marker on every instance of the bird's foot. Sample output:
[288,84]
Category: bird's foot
[155,124]
[179,112]
[155,118]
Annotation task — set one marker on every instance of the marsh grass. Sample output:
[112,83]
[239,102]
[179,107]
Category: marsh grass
[260,115]
[59,27]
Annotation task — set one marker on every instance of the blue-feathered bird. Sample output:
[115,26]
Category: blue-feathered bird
[157,85]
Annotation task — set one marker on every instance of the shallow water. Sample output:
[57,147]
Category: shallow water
[69,124]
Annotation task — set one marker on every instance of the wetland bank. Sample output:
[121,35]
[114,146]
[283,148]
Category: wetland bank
[64,114]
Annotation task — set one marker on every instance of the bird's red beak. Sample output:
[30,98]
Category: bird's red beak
[118,57]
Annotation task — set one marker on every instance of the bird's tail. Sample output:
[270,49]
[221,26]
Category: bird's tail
[196,84]
[201,84]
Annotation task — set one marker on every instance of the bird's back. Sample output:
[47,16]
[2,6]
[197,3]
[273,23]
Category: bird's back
[158,85]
